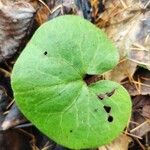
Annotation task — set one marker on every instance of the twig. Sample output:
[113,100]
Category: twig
[139,47]
[10,104]
[33,140]
[133,122]
[56,8]
[144,78]
[6,112]
[23,125]
[139,85]
[123,4]
[146,39]
[132,135]
[141,145]
[6,73]
[142,84]
[45,6]
[131,80]
[136,128]
[147,4]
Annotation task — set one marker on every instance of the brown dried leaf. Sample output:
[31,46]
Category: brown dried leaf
[140,56]
[49,9]
[140,50]
[141,129]
[139,84]
[127,25]
[14,140]
[4,100]
[16,19]
[61,7]
[141,125]
[121,143]
[146,111]
[13,118]
[42,15]
[124,69]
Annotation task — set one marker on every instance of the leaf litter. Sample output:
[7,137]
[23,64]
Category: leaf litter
[15,23]
[125,22]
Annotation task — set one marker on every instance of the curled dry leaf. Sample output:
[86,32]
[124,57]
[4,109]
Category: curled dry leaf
[15,21]
[140,56]
[124,69]
[121,143]
[140,49]
[14,140]
[139,84]
[4,99]
[146,111]
[61,7]
[13,118]
[42,15]
[127,25]
[43,11]
[50,9]
[140,125]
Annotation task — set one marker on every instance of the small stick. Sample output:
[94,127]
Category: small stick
[136,128]
[6,73]
[10,104]
[132,135]
[45,5]
[24,125]
[141,145]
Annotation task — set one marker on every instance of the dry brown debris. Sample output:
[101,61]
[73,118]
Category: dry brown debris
[126,22]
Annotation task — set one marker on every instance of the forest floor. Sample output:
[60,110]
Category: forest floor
[126,22]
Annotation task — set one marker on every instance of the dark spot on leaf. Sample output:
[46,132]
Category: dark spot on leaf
[110,118]
[96,109]
[107,109]
[110,93]
[59,94]
[101,96]
[71,131]
[45,53]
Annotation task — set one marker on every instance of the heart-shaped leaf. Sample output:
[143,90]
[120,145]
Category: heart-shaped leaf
[50,84]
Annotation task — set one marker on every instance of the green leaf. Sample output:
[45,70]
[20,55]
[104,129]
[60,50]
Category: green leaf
[50,88]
